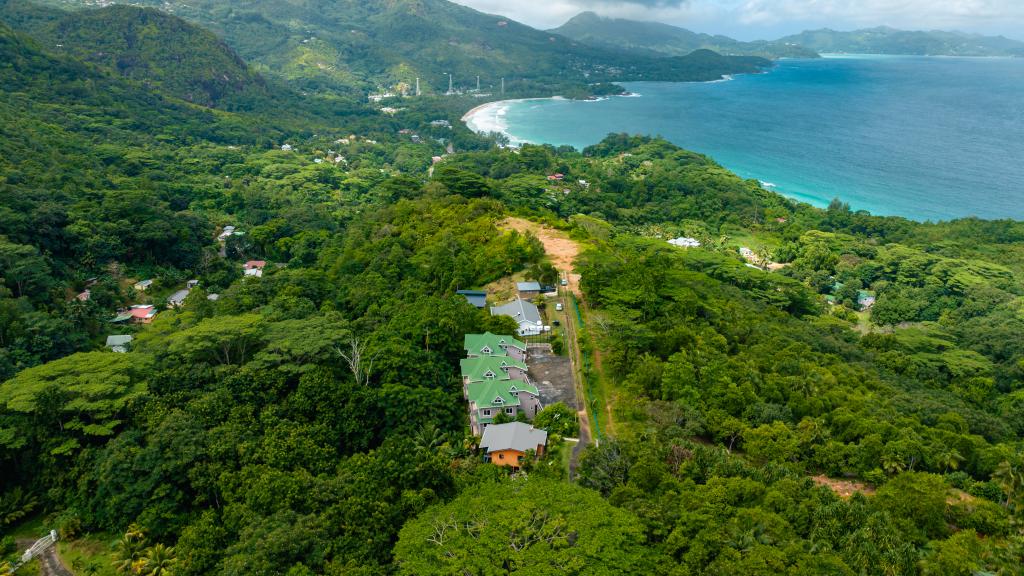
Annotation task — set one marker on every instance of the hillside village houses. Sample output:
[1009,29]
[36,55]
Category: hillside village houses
[178,298]
[119,342]
[685,242]
[142,285]
[137,314]
[254,268]
[495,380]
[228,232]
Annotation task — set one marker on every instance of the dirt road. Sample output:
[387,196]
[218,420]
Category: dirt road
[49,562]
[561,250]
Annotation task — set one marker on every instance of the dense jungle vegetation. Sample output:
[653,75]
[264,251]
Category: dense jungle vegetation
[234,437]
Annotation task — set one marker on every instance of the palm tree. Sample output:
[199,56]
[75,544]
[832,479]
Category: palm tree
[159,560]
[430,437]
[1010,478]
[128,551]
[893,463]
[950,458]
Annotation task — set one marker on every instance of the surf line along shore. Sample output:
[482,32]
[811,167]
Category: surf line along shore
[489,117]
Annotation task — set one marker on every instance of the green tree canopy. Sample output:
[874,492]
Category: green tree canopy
[525,526]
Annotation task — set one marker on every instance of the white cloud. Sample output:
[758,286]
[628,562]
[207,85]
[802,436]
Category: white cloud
[767,18]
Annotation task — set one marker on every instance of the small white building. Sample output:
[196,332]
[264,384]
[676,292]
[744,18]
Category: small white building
[685,242]
[286,147]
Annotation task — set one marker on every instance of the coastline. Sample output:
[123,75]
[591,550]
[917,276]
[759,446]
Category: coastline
[473,118]
[475,109]
[489,118]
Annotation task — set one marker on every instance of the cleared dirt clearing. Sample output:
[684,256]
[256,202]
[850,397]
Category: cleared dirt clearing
[561,250]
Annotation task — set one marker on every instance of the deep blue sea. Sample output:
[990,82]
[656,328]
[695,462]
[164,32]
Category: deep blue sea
[922,137]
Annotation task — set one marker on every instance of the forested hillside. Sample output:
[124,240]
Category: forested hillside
[149,46]
[660,38]
[884,40]
[757,415]
[356,46]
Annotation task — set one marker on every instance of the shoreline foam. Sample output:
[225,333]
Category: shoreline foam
[474,118]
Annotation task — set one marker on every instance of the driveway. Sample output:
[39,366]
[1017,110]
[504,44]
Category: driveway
[553,376]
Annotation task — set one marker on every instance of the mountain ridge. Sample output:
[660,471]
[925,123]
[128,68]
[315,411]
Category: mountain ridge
[888,40]
[353,47]
[666,39]
[150,46]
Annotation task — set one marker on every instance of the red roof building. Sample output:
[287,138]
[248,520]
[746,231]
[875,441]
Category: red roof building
[142,313]
[255,265]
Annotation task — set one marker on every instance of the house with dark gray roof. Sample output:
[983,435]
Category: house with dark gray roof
[506,444]
[477,298]
[528,289]
[178,298]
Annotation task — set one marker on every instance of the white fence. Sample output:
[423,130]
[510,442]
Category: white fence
[40,546]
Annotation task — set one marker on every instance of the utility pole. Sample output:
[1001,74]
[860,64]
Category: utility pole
[417,86]
[478,83]
[449,82]
[502,86]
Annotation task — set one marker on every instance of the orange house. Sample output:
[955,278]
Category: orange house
[506,444]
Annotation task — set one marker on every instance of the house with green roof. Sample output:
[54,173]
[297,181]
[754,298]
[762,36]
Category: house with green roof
[488,344]
[483,368]
[489,398]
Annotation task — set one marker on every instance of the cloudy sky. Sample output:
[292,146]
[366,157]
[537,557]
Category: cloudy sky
[749,19]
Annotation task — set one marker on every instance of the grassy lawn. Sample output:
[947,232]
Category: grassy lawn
[89,551]
[594,383]
[565,455]
[77,554]
[34,528]
[753,240]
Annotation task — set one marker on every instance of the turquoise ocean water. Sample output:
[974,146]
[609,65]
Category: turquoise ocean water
[926,138]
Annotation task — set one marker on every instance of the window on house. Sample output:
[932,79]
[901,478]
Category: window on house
[509,410]
[501,456]
[487,412]
[486,350]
